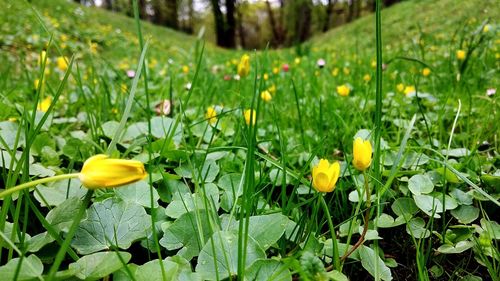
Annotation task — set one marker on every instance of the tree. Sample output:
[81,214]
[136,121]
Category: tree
[225,27]
[165,13]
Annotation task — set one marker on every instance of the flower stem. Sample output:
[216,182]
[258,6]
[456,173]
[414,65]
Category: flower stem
[69,236]
[366,220]
[35,183]
[335,256]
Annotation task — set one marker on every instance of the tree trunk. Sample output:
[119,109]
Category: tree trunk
[219,22]
[230,29]
[107,4]
[277,34]
[142,9]
[329,11]
[350,10]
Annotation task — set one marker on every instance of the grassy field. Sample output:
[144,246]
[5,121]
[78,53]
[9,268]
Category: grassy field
[235,152]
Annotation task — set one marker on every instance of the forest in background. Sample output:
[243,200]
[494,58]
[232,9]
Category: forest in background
[247,24]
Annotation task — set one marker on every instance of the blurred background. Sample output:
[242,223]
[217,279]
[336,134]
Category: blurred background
[247,24]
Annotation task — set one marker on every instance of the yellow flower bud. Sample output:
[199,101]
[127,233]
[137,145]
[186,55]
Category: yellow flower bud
[362,154]
[250,114]
[325,175]
[99,171]
[461,54]
[266,96]
[45,104]
[343,90]
[244,66]
[400,87]
[62,63]
[211,114]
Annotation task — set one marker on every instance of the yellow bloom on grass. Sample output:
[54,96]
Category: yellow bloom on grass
[335,72]
[43,58]
[62,63]
[426,71]
[343,90]
[266,96]
[272,89]
[266,76]
[250,114]
[44,104]
[362,154]
[211,115]
[276,70]
[100,171]
[400,87]
[244,66]
[367,78]
[185,69]
[325,175]
[409,89]
[461,54]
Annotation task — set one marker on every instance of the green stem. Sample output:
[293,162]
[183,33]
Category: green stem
[336,261]
[69,237]
[35,183]
[366,220]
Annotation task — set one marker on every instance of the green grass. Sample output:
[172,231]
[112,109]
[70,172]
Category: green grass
[227,198]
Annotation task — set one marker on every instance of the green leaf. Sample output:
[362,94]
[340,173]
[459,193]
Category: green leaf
[186,202]
[266,229]
[429,205]
[465,214]
[230,184]
[458,248]
[77,150]
[112,222]
[208,172]
[139,193]
[57,192]
[416,228]
[109,128]
[219,257]
[185,232]
[162,127]
[151,271]
[61,217]
[373,263]
[99,265]
[31,268]
[386,221]
[404,206]
[266,269]
[420,184]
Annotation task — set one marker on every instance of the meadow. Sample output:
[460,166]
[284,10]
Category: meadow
[133,152]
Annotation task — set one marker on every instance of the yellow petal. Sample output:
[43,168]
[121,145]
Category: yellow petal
[101,172]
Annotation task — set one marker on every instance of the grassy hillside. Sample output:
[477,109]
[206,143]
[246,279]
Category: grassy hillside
[263,166]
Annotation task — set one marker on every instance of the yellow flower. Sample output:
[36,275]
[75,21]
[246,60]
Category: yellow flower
[244,66]
[367,78]
[272,89]
[346,70]
[250,114]
[45,104]
[486,28]
[409,89]
[211,114]
[185,69]
[93,47]
[325,175]
[373,64]
[266,76]
[100,171]
[335,72]
[43,58]
[362,154]
[266,96]
[276,70]
[297,60]
[62,63]
[426,71]
[400,87]
[461,54]
[343,90]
